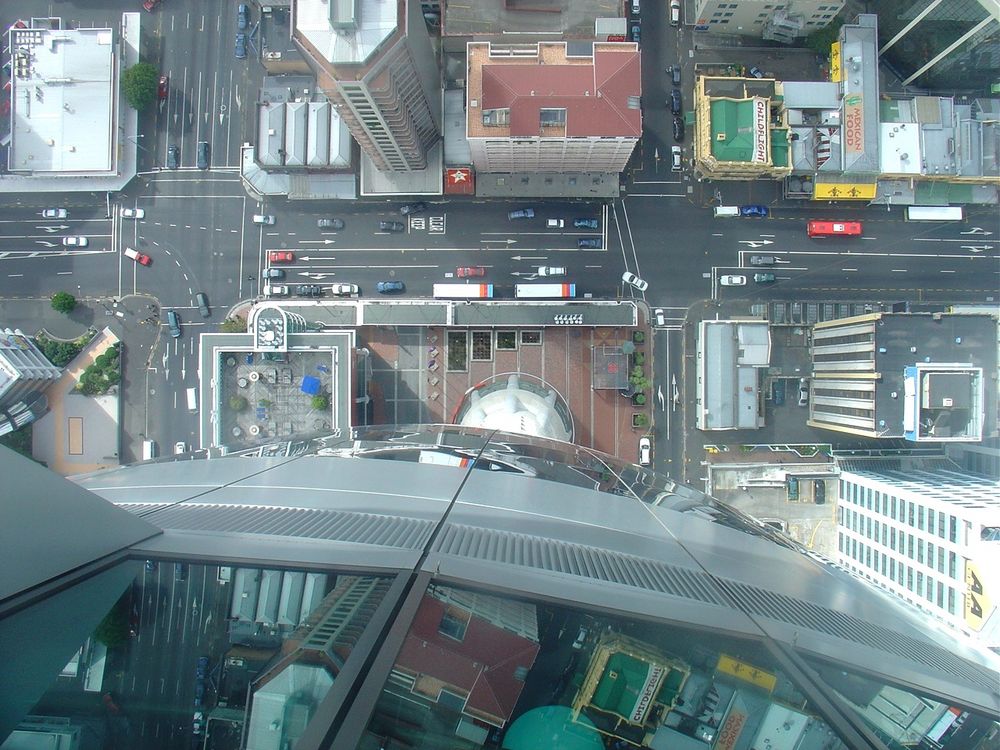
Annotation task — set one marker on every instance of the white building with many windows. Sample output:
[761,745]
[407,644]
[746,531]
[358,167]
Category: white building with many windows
[781,22]
[928,531]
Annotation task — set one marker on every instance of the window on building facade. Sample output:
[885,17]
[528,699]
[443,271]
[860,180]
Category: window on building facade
[930,520]
[920,550]
[911,516]
[909,578]
[892,537]
[892,569]
[919,590]
[952,564]
[496,118]
[954,527]
[951,600]
[920,518]
[909,546]
[940,594]
[893,514]
[549,117]
[940,563]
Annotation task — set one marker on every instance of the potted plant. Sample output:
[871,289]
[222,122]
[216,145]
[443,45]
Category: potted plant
[639,399]
[640,420]
[638,337]
[640,358]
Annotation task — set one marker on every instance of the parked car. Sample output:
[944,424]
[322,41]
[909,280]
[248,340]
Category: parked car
[792,485]
[548,271]
[267,219]
[241,46]
[141,258]
[778,391]
[149,5]
[581,639]
[163,87]
[242,16]
[659,319]
[676,103]
[55,213]
[675,12]
[762,260]
[197,723]
[645,451]
[309,290]
[632,280]
[754,210]
[675,74]
[274,273]
[636,32]
[521,213]
[180,447]
[75,241]
[592,224]
[763,278]
[589,243]
[819,491]
[733,280]
[391,226]
[281,256]
[390,287]
[344,290]
[679,129]
[756,72]
[202,154]
[330,223]
[276,290]
[803,391]
[413,208]
[466,272]
[676,159]
[201,669]
[202,302]
[555,223]
[174,323]
[173,157]
[133,213]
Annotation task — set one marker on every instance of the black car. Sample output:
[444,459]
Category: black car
[589,243]
[202,154]
[675,74]
[330,223]
[413,208]
[174,323]
[391,226]
[679,129]
[762,260]
[309,290]
[202,301]
[173,157]
[676,104]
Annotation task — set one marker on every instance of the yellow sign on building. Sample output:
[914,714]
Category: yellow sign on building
[844,191]
[978,606]
[835,62]
[746,672]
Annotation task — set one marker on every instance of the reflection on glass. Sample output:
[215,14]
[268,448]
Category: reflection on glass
[480,671]
[185,648]
[902,718]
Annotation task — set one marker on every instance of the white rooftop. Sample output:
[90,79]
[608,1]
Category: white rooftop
[63,100]
[354,42]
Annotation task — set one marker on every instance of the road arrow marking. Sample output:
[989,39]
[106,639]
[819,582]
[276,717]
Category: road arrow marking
[756,243]
[50,230]
[321,257]
[46,243]
[529,257]
[976,248]
[528,275]
[977,230]
[316,242]
[508,242]
[316,276]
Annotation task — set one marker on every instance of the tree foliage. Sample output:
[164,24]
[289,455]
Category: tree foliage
[104,373]
[821,40]
[320,402]
[237,403]
[139,84]
[59,353]
[63,302]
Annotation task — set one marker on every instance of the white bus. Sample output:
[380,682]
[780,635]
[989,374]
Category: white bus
[537,291]
[935,213]
[463,291]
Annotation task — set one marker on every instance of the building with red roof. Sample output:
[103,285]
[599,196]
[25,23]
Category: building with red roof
[561,107]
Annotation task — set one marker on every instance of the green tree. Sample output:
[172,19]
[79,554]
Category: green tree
[59,353]
[320,402]
[139,85]
[821,40]
[233,325]
[63,302]
[237,403]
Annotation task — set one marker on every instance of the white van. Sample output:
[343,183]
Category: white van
[551,271]
[675,12]
[635,7]
[192,399]
[726,211]
[148,450]
[263,219]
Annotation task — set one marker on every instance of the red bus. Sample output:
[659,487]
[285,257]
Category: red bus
[833,228]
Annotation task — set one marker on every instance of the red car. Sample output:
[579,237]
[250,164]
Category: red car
[281,256]
[467,271]
[164,87]
[141,258]
[150,4]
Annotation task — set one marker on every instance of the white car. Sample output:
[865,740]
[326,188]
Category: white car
[133,213]
[633,280]
[645,451]
[74,241]
[659,318]
[733,280]
[343,290]
[180,447]
[551,271]
[55,213]
[675,159]
[276,290]
[555,223]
